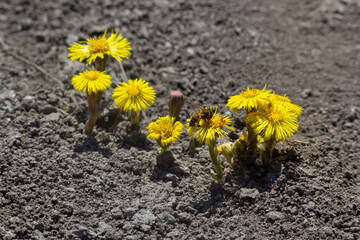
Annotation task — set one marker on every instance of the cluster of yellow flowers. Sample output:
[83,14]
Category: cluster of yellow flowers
[276,118]
[270,118]
[134,96]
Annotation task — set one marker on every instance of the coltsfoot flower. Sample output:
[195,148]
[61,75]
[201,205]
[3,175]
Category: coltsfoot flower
[134,96]
[91,81]
[165,131]
[208,129]
[273,123]
[248,100]
[286,102]
[116,45]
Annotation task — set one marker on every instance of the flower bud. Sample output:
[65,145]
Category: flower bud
[176,102]
[226,150]
[239,148]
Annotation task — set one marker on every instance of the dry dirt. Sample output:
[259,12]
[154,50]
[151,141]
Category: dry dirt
[57,183]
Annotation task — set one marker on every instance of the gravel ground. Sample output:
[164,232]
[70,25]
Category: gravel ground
[58,183]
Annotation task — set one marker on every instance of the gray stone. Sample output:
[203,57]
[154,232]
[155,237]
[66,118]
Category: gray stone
[173,178]
[104,227]
[145,227]
[248,193]
[166,217]
[144,217]
[275,216]
[184,217]
[38,235]
[80,232]
[52,117]
[306,93]
[183,170]
[40,227]
[130,212]
[48,109]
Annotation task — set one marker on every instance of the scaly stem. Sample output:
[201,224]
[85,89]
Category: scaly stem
[93,112]
[100,64]
[269,148]
[192,145]
[252,137]
[214,155]
[135,118]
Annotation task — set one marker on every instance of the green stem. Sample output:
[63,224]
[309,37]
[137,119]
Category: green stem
[98,97]
[269,148]
[100,64]
[252,137]
[123,74]
[214,155]
[164,149]
[135,118]
[93,111]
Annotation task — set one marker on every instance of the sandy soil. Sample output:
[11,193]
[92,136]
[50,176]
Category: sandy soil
[57,183]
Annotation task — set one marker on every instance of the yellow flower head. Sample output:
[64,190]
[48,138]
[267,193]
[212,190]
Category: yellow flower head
[248,100]
[207,130]
[134,96]
[286,102]
[116,46]
[91,81]
[275,122]
[165,131]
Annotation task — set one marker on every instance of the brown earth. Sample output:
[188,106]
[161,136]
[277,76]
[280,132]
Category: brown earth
[57,183]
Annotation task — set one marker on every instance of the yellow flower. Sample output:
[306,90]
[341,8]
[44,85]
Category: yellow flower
[248,100]
[134,96]
[207,130]
[275,122]
[91,81]
[286,102]
[116,46]
[165,131]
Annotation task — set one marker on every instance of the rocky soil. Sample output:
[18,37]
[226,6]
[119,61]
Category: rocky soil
[58,183]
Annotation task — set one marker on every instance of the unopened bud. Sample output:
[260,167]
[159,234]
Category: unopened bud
[176,102]
[239,148]
[226,150]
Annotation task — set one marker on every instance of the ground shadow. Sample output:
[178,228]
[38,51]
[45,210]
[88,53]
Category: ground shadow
[218,195]
[243,186]
[110,118]
[137,140]
[90,144]
[167,169]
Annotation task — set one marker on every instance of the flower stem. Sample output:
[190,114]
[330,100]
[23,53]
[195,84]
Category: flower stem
[100,64]
[252,137]
[269,148]
[163,149]
[135,118]
[123,74]
[214,155]
[93,111]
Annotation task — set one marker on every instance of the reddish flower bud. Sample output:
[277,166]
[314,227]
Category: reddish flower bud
[176,102]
